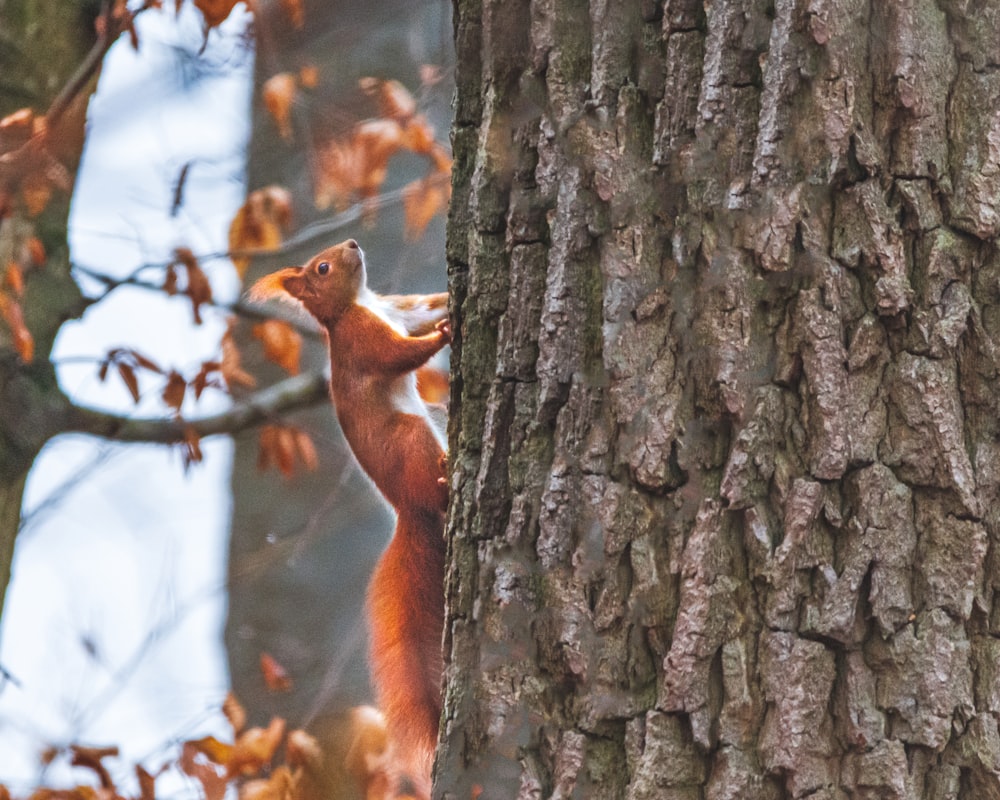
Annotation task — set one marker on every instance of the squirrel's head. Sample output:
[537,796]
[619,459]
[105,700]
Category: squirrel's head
[325,286]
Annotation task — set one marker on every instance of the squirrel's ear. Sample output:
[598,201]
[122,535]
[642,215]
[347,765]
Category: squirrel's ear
[294,284]
[277,285]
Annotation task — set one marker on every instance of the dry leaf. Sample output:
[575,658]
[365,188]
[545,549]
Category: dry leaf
[276,677]
[191,447]
[213,783]
[170,281]
[306,450]
[281,785]
[205,378]
[217,752]
[356,166]
[284,446]
[13,279]
[235,713]
[309,76]
[232,372]
[90,757]
[303,750]
[441,159]
[129,379]
[394,99]
[23,341]
[215,11]
[147,783]
[255,748]
[17,128]
[418,135]
[368,758]
[259,224]
[36,192]
[282,344]
[279,95]
[293,8]
[173,392]
[199,290]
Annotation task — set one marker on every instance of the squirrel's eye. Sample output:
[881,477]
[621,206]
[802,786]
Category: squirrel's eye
[323,267]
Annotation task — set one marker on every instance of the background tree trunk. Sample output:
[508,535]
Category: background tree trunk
[302,550]
[724,412]
[40,48]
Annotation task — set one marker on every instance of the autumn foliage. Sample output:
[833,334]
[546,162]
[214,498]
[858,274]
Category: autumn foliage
[350,167]
[257,762]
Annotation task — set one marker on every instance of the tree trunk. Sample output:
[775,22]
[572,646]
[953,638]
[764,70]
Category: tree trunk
[724,410]
[40,48]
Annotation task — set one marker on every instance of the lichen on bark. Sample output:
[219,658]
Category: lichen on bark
[725,408]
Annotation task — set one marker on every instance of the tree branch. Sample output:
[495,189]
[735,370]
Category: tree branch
[301,391]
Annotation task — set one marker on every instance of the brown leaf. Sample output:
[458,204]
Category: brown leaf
[293,8]
[17,128]
[173,392]
[90,757]
[129,379]
[276,677]
[259,224]
[306,450]
[394,99]
[369,759]
[13,279]
[170,281]
[199,290]
[36,191]
[144,362]
[279,93]
[147,783]
[35,251]
[356,166]
[215,11]
[217,752]
[235,713]
[283,446]
[23,341]
[204,378]
[303,750]
[192,447]
[255,748]
[232,371]
[282,344]
[418,135]
[281,785]
[309,76]
[213,783]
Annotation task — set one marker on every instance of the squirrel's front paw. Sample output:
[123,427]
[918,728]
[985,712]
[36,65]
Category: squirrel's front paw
[444,328]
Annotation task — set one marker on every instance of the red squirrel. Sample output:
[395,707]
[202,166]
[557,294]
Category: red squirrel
[376,343]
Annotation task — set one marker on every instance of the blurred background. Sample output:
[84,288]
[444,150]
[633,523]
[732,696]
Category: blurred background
[145,589]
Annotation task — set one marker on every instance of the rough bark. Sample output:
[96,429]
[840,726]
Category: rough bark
[724,421]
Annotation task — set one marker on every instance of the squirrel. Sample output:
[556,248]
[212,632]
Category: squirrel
[376,343]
